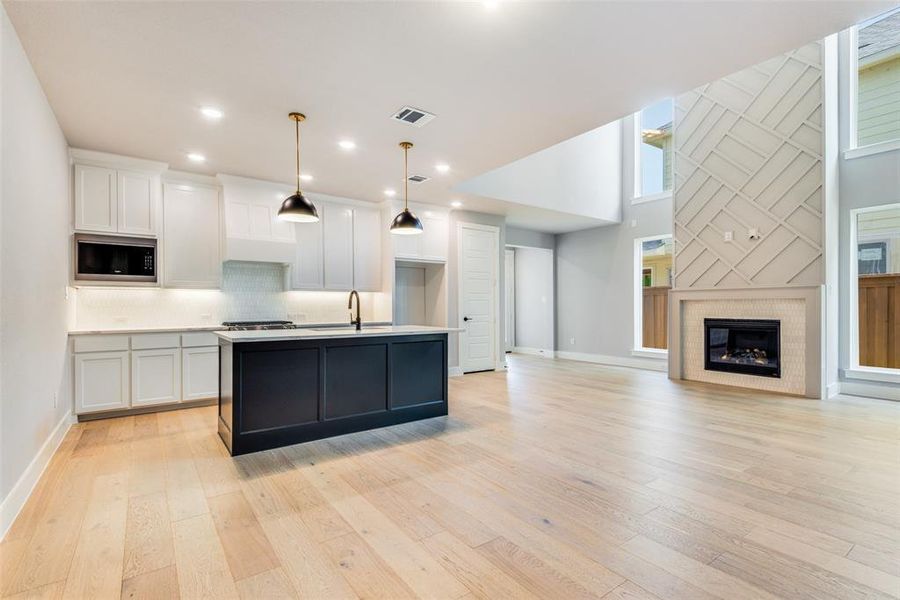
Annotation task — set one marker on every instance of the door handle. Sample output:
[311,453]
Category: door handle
[466,319]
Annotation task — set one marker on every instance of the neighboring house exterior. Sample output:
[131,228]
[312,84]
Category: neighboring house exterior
[879,81]
[661,138]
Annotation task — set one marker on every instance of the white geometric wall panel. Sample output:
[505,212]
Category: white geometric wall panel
[748,154]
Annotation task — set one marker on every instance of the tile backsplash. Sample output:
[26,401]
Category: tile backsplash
[250,291]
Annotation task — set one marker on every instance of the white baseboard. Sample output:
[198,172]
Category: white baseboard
[868,390]
[650,364]
[832,390]
[21,491]
[534,351]
[454,371]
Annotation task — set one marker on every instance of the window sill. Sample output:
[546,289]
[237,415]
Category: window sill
[871,149]
[650,353]
[651,198]
[873,374]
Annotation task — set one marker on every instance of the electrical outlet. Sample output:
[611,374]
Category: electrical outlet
[634,222]
[753,233]
[729,236]
[572,341]
[205,317]
[54,399]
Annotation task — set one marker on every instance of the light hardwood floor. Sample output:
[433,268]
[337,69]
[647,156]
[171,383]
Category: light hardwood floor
[554,480]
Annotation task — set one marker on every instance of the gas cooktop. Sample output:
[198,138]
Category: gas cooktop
[259,325]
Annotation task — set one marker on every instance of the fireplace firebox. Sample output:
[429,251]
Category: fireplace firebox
[749,346]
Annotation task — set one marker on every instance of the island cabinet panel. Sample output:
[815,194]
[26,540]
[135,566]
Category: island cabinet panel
[355,380]
[277,393]
[417,373]
[284,385]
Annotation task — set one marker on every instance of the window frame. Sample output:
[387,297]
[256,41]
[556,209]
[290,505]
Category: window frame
[637,344]
[637,196]
[851,72]
[853,369]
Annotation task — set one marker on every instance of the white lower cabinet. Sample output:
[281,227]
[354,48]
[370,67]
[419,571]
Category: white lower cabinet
[101,381]
[116,372]
[155,376]
[199,373]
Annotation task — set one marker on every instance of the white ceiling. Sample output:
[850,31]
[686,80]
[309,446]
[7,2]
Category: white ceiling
[129,78]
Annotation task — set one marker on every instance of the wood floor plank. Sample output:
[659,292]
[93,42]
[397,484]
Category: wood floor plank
[369,576]
[247,549]
[148,537]
[630,591]
[268,585]
[97,565]
[161,584]
[307,564]
[202,568]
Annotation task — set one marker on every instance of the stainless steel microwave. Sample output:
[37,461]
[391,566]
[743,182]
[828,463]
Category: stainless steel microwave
[111,258]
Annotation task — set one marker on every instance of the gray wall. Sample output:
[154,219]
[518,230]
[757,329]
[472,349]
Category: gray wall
[34,266]
[595,272]
[464,216]
[529,238]
[748,153]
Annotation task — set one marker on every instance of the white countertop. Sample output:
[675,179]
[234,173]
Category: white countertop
[190,328]
[312,333]
[138,330]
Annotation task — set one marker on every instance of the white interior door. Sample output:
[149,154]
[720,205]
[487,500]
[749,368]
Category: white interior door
[478,297]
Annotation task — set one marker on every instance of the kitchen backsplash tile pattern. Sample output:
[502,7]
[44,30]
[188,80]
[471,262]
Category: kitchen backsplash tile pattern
[250,291]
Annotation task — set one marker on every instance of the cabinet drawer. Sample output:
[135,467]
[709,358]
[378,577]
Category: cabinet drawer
[196,339]
[101,343]
[150,341]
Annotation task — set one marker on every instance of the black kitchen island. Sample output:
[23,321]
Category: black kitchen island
[278,388]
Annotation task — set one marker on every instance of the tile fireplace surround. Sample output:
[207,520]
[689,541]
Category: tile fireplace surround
[798,309]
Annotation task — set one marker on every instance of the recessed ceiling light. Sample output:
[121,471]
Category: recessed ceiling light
[196,157]
[212,113]
[490,5]
[456,204]
[347,144]
[442,167]
[390,193]
[306,177]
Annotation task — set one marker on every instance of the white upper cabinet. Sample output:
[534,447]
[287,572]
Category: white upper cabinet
[136,203]
[96,206]
[307,270]
[191,218]
[116,194]
[337,247]
[252,227]
[431,245]
[367,233]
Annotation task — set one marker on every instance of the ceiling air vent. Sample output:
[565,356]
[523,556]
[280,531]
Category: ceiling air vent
[418,179]
[413,116]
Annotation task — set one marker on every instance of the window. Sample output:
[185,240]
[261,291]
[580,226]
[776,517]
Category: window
[653,279]
[876,242]
[653,150]
[876,56]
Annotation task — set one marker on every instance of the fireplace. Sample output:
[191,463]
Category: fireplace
[750,346]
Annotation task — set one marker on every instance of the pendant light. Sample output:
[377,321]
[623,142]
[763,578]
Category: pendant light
[297,208]
[406,223]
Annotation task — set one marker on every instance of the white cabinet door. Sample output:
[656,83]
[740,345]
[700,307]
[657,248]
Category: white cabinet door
[192,257]
[199,373]
[136,203]
[101,381]
[96,206]
[337,247]
[307,268]
[434,237]
[407,246]
[366,249]
[155,376]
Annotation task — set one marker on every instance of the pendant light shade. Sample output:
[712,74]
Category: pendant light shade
[297,207]
[406,223]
